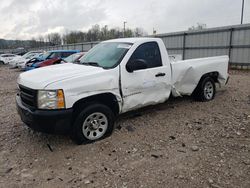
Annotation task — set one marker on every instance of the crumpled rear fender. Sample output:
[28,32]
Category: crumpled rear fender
[187,73]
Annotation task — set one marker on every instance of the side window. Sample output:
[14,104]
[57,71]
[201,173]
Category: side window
[51,56]
[66,54]
[57,55]
[54,55]
[150,53]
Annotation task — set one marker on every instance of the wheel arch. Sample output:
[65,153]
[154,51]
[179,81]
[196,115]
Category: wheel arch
[108,99]
[214,75]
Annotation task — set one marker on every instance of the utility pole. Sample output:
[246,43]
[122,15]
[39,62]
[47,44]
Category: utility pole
[105,31]
[242,12]
[124,28]
[154,31]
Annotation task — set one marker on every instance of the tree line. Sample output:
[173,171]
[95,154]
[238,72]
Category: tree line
[95,33]
[13,44]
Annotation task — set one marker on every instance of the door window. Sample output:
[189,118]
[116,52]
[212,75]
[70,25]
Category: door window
[66,54]
[54,55]
[150,53]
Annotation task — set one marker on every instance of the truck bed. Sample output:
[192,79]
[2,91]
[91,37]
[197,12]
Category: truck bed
[187,73]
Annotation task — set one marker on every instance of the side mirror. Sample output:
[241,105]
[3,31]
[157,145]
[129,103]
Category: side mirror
[137,64]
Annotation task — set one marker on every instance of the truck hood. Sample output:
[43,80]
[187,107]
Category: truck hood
[42,77]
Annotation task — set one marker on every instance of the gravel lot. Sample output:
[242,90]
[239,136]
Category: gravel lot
[180,143]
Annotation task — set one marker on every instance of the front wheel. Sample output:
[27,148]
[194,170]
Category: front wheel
[94,122]
[205,91]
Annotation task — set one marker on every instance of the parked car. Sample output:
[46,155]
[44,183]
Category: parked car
[6,58]
[25,58]
[74,58]
[50,58]
[34,60]
[114,77]
[22,65]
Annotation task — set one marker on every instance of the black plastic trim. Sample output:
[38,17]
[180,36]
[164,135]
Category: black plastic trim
[48,121]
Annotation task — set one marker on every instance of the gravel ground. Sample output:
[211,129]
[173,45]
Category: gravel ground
[180,143]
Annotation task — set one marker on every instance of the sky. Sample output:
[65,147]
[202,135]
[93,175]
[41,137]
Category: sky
[24,19]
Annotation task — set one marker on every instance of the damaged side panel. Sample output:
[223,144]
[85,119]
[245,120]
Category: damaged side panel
[187,74]
[145,87]
[142,88]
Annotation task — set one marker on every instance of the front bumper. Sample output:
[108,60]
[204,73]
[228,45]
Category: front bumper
[48,121]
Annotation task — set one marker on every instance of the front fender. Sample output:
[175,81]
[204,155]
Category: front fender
[73,99]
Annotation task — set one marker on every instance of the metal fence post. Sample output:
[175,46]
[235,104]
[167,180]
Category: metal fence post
[184,46]
[230,44]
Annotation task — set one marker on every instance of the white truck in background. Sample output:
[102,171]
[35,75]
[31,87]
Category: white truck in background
[18,61]
[114,77]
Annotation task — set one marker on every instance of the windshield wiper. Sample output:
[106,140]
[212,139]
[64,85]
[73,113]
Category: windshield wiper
[91,64]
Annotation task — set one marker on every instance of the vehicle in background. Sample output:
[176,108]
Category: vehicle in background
[6,58]
[22,65]
[19,51]
[74,58]
[71,59]
[114,77]
[49,58]
[21,59]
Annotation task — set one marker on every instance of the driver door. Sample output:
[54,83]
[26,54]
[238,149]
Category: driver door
[145,86]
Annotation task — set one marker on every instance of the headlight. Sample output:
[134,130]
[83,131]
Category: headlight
[53,99]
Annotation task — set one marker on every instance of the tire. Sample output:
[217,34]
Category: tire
[205,91]
[1,63]
[94,122]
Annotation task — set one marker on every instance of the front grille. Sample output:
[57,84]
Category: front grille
[28,96]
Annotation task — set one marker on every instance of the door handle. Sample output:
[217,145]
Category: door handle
[160,74]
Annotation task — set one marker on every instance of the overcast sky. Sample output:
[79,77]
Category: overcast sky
[24,19]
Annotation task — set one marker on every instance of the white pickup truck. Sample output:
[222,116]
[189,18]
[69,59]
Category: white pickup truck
[114,77]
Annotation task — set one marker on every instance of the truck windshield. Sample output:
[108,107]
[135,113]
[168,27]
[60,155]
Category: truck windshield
[106,55]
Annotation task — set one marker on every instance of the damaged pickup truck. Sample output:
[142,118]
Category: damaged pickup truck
[114,77]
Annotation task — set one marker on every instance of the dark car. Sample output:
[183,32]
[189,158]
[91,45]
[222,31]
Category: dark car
[49,58]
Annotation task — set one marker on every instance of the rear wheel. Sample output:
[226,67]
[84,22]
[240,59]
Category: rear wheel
[93,123]
[1,63]
[205,91]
